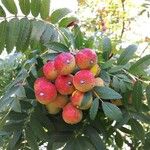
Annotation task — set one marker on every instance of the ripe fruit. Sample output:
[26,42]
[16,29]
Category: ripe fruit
[86,58]
[50,71]
[64,84]
[95,70]
[71,114]
[84,80]
[99,82]
[65,63]
[81,100]
[60,101]
[52,109]
[45,91]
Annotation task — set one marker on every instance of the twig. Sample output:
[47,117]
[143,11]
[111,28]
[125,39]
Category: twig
[123,23]
[133,76]
[144,49]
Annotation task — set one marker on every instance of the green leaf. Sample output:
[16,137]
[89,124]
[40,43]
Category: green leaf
[45,8]
[67,21]
[3,35]
[6,100]
[125,130]
[115,83]
[38,27]
[127,54]
[13,126]
[86,143]
[146,144]
[70,145]
[50,34]
[118,140]
[87,97]
[148,95]
[68,36]
[31,138]
[2,12]
[116,69]
[22,75]
[147,141]
[78,36]
[15,116]
[10,5]
[94,108]
[25,6]
[59,137]
[145,108]
[122,86]
[105,76]
[59,47]
[137,96]
[124,78]
[5,103]
[138,67]
[107,64]
[112,111]
[24,35]
[56,145]
[14,139]
[107,93]
[35,7]
[95,138]
[36,126]
[37,30]
[141,117]
[79,143]
[25,105]
[58,14]
[13,29]
[123,121]
[89,42]
[137,129]
[3,133]
[16,105]
[107,48]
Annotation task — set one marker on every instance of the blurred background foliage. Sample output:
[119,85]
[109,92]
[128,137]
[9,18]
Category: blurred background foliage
[125,21]
[112,16]
[9,69]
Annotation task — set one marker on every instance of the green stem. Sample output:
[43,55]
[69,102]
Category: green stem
[97,96]
[133,76]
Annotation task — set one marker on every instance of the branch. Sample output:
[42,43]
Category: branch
[143,51]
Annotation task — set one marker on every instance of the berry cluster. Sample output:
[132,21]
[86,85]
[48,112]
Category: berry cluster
[67,84]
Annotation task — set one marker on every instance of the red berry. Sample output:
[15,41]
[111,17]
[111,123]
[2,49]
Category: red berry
[65,63]
[45,91]
[64,84]
[50,71]
[84,80]
[71,114]
[86,58]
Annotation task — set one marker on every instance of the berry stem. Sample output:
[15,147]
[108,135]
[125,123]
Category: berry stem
[97,96]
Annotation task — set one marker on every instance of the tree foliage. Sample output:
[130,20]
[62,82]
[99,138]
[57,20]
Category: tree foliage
[26,124]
